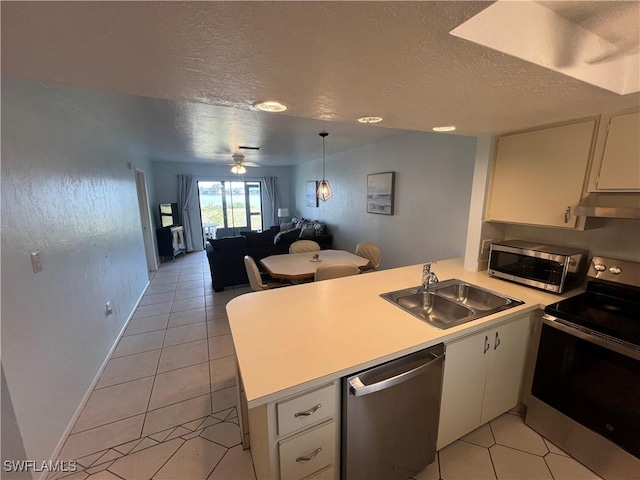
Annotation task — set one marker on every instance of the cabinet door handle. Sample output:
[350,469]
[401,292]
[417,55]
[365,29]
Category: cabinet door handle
[306,413]
[486,344]
[567,214]
[310,456]
[497,341]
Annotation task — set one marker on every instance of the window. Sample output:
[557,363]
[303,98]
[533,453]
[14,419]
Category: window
[228,208]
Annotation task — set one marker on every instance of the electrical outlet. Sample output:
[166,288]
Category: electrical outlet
[109,308]
[36,263]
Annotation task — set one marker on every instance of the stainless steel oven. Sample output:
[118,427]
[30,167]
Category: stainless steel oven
[586,385]
[548,267]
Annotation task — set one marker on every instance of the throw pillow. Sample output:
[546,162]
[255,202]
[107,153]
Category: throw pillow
[318,227]
[307,232]
[287,238]
[286,226]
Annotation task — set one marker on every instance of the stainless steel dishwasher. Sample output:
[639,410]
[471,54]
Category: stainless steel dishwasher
[390,417]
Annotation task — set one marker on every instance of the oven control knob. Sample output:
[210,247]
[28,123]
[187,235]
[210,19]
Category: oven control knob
[600,267]
[615,270]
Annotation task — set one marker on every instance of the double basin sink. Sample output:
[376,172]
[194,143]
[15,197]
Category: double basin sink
[450,303]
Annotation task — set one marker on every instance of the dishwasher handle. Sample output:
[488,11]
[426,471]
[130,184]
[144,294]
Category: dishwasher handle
[358,388]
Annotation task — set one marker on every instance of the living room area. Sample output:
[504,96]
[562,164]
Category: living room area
[78,207]
[404,237]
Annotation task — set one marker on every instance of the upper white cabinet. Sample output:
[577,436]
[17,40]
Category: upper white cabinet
[539,176]
[482,377]
[616,165]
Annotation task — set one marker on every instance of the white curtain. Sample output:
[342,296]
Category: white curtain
[185,187]
[271,184]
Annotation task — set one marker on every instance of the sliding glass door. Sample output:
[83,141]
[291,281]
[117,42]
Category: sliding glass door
[228,208]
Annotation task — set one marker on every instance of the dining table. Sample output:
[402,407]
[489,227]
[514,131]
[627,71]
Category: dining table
[302,266]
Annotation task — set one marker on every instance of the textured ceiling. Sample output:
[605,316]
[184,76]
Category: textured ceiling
[328,61]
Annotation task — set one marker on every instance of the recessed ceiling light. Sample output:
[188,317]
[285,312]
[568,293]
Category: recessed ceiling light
[370,119]
[448,128]
[271,106]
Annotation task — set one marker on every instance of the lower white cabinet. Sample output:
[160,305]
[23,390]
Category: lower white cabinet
[328,473]
[482,377]
[298,437]
[309,452]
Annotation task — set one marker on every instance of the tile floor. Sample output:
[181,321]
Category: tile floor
[164,407]
[504,449]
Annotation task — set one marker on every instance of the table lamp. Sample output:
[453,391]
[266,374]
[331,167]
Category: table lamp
[282,214]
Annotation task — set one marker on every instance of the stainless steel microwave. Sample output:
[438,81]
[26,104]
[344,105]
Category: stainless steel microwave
[548,267]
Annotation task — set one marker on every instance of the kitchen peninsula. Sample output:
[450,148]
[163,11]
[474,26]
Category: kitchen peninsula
[294,344]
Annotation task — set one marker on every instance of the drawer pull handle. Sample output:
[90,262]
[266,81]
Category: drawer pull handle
[306,413]
[309,457]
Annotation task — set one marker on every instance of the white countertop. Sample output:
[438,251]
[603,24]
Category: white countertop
[291,339]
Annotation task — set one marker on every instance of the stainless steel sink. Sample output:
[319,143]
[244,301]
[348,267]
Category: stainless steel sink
[450,303]
[473,297]
[433,308]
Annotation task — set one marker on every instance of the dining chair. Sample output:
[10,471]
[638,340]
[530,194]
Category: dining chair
[336,270]
[300,246]
[371,252]
[255,278]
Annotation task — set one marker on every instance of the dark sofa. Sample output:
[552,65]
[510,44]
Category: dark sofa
[226,255]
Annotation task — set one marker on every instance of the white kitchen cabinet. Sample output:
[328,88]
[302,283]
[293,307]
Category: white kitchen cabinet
[297,437]
[539,176]
[617,159]
[308,453]
[482,377]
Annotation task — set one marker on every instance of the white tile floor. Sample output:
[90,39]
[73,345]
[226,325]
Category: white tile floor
[164,408]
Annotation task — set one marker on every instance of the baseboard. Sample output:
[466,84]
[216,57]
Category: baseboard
[85,399]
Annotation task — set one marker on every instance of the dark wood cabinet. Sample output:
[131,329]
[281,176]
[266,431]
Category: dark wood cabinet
[170,241]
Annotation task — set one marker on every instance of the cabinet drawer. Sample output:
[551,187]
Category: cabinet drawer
[328,473]
[308,452]
[306,410]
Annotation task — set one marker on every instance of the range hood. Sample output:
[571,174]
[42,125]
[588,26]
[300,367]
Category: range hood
[609,205]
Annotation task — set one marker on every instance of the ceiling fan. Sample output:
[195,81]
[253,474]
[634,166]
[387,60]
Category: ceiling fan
[239,164]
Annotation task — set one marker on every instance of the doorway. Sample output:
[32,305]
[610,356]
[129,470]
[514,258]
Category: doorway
[229,207]
[145,220]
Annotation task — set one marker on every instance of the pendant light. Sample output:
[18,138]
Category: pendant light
[324,192]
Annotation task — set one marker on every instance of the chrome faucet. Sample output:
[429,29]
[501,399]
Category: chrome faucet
[428,277]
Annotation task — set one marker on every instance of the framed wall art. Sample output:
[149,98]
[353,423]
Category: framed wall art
[380,193]
[312,199]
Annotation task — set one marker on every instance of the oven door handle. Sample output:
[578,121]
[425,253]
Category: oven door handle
[622,349]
